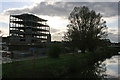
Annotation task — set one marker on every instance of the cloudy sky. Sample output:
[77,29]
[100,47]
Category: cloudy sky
[57,13]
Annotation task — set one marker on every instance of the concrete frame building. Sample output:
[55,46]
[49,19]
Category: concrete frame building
[28,29]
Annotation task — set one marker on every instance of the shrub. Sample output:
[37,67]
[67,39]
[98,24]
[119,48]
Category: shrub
[54,50]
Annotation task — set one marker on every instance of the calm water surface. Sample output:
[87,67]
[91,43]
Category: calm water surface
[111,67]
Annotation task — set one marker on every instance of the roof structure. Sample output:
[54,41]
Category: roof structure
[28,17]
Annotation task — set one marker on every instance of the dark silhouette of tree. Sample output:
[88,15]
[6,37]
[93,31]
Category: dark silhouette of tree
[86,29]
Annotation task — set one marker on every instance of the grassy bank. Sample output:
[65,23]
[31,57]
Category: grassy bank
[67,64]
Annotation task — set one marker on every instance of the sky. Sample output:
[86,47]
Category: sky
[57,13]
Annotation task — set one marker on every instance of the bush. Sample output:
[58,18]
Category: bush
[54,50]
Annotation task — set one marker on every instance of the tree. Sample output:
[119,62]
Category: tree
[85,29]
[54,50]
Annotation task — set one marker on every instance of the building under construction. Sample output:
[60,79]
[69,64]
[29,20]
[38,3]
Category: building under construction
[28,29]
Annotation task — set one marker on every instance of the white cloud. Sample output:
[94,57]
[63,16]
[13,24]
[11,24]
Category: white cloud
[111,20]
[56,22]
[113,37]
[4,18]
[57,26]
[5,30]
[56,38]
[111,73]
[113,30]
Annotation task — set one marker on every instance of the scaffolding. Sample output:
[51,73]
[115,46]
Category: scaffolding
[28,28]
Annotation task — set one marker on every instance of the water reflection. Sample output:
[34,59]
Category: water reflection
[101,70]
[109,67]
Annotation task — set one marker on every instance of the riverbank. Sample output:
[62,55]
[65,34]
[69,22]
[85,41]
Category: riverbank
[63,67]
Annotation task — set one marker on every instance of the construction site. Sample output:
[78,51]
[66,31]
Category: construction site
[28,35]
[28,30]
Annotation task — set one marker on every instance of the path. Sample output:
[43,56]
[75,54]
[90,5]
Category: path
[8,60]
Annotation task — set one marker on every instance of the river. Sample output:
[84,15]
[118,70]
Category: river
[108,68]
[112,67]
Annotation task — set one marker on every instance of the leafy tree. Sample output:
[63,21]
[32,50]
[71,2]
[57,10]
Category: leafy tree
[54,50]
[86,29]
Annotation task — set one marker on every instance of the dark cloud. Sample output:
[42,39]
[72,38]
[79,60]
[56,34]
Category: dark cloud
[17,11]
[107,9]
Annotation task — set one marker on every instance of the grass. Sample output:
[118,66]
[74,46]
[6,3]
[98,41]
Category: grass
[52,67]
[28,67]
